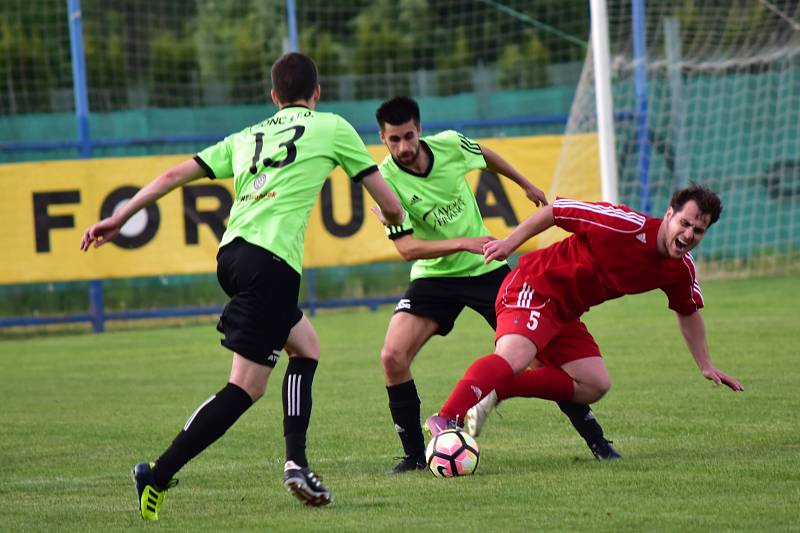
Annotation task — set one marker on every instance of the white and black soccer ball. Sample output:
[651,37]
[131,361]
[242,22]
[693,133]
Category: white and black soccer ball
[452,453]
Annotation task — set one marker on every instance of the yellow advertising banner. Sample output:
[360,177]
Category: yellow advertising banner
[47,206]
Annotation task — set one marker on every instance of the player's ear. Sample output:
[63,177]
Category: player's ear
[274,96]
[317,92]
[669,213]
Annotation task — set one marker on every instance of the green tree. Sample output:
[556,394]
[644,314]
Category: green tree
[382,53]
[106,66]
[237,42]
[454,65]
[25,79]
[327,53]
[174,71]
[524,67]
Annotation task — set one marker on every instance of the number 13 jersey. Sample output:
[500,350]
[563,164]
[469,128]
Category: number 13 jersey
[279,166]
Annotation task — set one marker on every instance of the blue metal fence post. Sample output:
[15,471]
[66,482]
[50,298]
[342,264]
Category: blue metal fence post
[81,91]
[639,31]
[291,19]
[79,76]
[96,305]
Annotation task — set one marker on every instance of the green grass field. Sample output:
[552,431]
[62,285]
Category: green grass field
[77,411]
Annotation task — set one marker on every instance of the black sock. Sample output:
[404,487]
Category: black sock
[297,407]
[404,405]
[584,421]
[208,423]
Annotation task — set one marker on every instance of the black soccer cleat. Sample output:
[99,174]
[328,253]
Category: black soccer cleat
[409,464]
[604,451]
[306,486]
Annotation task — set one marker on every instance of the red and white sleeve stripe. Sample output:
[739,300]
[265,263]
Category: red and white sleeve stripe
[576,216]
[696,294]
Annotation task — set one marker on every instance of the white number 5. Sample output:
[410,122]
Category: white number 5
[533,321]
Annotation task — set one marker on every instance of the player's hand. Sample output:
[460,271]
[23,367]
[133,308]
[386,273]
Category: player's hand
[720,378]
[535,194]
[496,250]
[100,233]
[476,244]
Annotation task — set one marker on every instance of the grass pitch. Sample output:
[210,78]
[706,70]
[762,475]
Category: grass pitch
[78,411]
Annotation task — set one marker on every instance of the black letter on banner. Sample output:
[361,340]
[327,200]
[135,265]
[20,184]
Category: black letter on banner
[43,223]
[489,182]
[215,220]
[151,226]
[357,213]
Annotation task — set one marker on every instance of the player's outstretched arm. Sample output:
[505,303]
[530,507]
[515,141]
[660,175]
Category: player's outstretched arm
[497,164]
[108,228]
[533,225]
[388,201]
[693,329]
[411,249]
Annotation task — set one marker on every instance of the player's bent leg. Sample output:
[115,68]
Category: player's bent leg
[514,353]
[476,417]
[592,382]
[205,425]
[406,335]
[302,346]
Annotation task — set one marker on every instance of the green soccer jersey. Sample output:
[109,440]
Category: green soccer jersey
[440,204]
[279,166]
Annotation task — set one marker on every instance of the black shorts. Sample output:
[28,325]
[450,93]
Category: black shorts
[442,299]
[263,291]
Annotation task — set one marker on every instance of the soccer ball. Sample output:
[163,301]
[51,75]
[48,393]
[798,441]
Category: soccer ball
[452,453]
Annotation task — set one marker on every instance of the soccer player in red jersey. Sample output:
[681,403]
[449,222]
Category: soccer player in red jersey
[542,348]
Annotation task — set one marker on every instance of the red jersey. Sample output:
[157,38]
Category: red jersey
[612,252]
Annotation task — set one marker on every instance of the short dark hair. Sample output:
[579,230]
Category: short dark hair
[396,111]
[707,200]
[294,77]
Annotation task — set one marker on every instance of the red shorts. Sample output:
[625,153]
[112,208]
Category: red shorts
[558,337]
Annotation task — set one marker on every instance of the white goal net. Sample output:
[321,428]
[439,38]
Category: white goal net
[710,95]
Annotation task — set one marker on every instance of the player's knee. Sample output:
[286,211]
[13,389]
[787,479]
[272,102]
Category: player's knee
[394,360]
[600,386]
[254,390]
[591,390]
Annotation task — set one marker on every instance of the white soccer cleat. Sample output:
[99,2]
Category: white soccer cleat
[478,413]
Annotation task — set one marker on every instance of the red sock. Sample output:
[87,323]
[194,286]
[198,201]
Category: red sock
[547,382]
[480,379]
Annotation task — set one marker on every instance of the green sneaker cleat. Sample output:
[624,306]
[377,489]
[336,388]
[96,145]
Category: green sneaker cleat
[150,498]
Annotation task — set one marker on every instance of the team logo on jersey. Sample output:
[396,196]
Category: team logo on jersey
[259,181]
[414,199]
[404,303]
[642,238]
[443,215]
